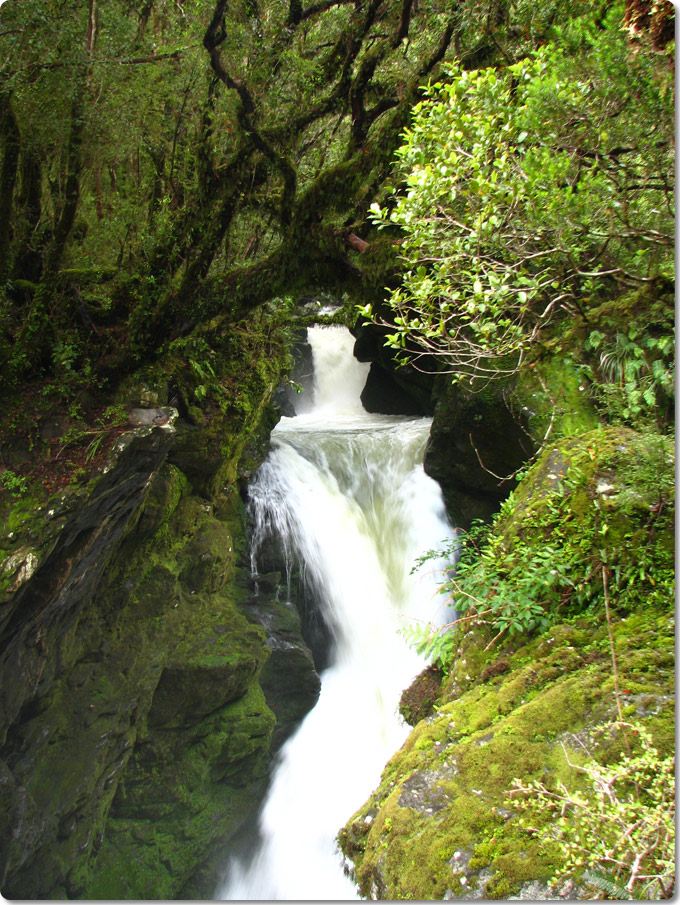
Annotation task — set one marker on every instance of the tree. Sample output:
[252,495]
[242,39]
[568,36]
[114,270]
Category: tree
[531,191]
[199,162]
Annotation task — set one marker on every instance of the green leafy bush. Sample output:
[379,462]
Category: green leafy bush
[637,372]
[529,190]
[13,483]
[617,831]
[544,556]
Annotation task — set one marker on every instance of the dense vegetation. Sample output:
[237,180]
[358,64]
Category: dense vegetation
[168,163]
[535,192]
[160,160]
[176,177]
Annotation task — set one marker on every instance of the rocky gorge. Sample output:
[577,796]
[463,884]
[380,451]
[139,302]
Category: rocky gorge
[136,731]
[480,197]
[148,680]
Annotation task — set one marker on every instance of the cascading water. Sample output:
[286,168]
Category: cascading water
[346,493]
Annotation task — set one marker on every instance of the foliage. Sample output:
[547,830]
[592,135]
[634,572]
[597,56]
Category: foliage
[167,162]
[164,162]
[516,594]
[13,483]
[529,190]
[224,362]
[531,568]
[620,826]
[637,372]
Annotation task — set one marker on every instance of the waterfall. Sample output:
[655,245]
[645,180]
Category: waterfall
[346,493]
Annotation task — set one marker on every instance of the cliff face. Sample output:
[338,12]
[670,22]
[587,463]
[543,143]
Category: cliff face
[442,823]
[135,733]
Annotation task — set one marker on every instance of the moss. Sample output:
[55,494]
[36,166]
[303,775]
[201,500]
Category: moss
[418,700]
[149,741]
[554,392]
[30,525]
[514,707]
[181,796]
[467,769]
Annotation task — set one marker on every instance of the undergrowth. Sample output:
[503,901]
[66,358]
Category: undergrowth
[607,519]
[617,832]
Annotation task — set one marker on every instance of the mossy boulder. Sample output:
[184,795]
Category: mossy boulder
[514,706]
[135,736]
[417,701]
[441,824]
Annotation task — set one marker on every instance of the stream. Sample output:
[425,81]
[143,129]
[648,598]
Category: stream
[346,493]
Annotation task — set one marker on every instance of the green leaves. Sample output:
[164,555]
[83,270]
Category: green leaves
[637,373]
[540,562]
[525,190]
[622,822]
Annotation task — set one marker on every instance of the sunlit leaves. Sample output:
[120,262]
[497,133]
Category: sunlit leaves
[622,821]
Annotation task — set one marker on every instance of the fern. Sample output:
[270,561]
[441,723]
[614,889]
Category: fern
[608,883]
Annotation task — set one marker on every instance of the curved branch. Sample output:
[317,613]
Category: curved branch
[297,14]
[321,7]
[212,40]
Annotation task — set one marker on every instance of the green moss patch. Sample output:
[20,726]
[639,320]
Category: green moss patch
[516,705]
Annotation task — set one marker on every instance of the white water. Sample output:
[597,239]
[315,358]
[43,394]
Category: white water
[347,493]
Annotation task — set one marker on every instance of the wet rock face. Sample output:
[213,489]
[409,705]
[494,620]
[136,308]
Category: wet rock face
[271,599]
[392,389]
[49,605]
[475,442]
[289,679]
[135,736]
[382,394]
[131,696]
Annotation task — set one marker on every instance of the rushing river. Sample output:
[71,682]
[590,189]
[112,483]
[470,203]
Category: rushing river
[346,493]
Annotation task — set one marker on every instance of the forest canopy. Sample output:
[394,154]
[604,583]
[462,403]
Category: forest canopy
[167,162]
[159,159]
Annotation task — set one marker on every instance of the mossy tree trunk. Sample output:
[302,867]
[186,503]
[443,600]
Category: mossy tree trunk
[8,174]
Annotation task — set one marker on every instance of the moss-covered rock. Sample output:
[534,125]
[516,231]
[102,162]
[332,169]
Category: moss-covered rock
[442,822]
[152,710]
[442,825]
[183,794]
[418,699]
[483,433]
[135,736]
